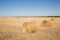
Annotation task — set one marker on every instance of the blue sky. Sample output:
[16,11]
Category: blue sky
[29,8]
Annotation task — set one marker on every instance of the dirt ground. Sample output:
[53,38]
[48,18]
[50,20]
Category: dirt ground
[11,28]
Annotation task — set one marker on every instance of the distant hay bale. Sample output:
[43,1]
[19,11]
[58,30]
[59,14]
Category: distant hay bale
[46,23]
[30,27]
[52,19]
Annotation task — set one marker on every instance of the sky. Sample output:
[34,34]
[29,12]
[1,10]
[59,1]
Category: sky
[29,8]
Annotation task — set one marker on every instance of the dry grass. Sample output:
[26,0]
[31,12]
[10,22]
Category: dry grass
[11,28]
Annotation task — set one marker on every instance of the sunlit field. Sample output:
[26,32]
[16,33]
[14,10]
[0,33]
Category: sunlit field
[30,28]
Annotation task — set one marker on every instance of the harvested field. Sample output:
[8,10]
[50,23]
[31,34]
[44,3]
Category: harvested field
[32,28]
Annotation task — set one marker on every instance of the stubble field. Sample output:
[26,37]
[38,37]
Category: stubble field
[11,28]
